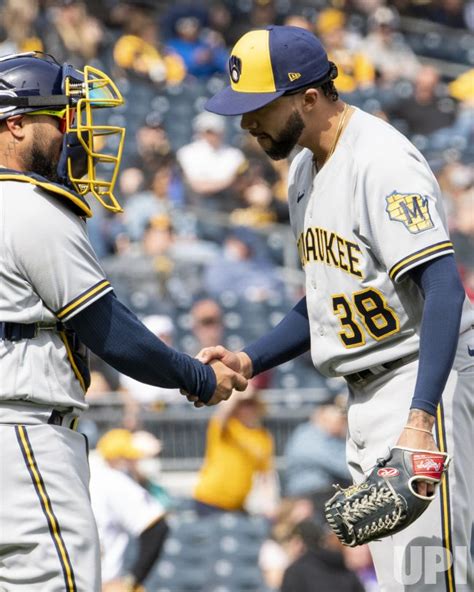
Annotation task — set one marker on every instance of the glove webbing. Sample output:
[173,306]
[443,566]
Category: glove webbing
[374,500]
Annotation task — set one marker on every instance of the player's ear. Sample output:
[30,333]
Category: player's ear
[16,126]
[310,99]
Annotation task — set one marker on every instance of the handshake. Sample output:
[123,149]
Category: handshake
[232,371]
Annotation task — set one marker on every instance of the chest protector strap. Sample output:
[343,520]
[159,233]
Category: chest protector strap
[73,200]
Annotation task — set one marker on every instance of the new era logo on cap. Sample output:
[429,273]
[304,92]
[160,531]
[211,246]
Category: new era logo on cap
[266,63]
[294,76]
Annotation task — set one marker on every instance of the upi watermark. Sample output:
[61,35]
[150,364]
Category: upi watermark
[425,564]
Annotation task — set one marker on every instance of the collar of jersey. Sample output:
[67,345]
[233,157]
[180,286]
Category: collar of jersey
[75,201]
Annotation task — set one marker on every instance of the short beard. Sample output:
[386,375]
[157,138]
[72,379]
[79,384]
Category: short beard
[287,139]
[41,161]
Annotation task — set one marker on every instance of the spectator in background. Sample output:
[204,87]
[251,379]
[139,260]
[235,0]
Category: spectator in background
[139,395]
[207,324]
[156,200]
[124,511]
[461,133]
[258,202]
[220,20]
[259,190]
[320,563]
[273,172]
[308,473]
[298,20]
[355,69]
[210,166]
[203,53]
[456,181]
[427,109]
[151,145]
[244,268]
[462,219]
[157,271]
[386,49]
[72,34]
[450,13]
[277,551]
[147,470]
[131,181]
[238,448]
[18,27]
[142,270]
[140,53]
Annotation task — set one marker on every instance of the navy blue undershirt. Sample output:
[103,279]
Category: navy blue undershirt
[444,295]
[115,334]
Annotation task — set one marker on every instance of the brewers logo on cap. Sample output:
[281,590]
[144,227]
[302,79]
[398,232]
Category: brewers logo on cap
[235,68]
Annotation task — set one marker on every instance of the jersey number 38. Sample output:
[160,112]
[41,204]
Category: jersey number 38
[366,312]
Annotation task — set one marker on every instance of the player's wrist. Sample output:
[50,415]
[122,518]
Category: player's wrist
[246,366]
[418,418]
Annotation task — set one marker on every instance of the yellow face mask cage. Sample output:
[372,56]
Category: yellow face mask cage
[97,91]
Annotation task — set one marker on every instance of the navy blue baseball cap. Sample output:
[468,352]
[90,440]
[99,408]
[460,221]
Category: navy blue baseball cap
[267,63]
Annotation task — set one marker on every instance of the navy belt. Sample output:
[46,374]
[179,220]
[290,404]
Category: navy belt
[19,331]
[63,419]
[371,373]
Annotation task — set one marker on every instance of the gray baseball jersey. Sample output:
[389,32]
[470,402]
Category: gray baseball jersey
[372,213]
[49,272]
[360,226]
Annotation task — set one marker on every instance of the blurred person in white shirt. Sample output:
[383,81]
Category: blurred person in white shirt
[125,512]
[145,394]
[209,165]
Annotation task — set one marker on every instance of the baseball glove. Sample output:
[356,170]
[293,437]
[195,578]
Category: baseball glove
[387,501]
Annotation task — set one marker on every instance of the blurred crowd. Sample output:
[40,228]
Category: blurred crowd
[189,177]
[203,251]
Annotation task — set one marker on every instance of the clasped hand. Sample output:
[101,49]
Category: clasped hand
[232,371]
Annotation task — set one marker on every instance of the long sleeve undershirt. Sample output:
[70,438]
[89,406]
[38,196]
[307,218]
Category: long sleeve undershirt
[115,334]
[444,295]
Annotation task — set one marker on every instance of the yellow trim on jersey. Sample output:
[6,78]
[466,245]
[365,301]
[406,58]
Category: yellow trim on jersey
[445,518]
[52,187]
[81,299]
[446,246]
[385,307]
[347,321]
[47,508]
[70,357]
[256,72]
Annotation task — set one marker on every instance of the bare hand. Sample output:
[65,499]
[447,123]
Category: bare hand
[219,352]
[227,380]
[411,438]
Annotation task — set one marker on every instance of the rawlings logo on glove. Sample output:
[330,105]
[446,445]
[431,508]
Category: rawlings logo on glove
[387,501]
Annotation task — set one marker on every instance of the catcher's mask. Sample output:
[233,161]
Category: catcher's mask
[35,83]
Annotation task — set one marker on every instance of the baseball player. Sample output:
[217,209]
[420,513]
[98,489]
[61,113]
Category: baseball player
[54,302]
[384,305]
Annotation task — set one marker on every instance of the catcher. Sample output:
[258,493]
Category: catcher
[55,304]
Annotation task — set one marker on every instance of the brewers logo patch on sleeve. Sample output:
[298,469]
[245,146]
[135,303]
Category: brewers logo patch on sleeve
[412,209]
